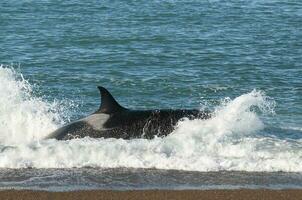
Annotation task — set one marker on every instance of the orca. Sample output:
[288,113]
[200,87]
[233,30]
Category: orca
[112,120]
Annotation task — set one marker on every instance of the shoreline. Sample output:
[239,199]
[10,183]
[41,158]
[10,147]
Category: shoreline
[251,194]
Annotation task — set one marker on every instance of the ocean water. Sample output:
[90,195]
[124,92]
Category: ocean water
[240,59]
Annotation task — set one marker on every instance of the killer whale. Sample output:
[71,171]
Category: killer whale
[112,120]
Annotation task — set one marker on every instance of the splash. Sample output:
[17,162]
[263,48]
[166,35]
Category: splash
[23,117]
[230,140]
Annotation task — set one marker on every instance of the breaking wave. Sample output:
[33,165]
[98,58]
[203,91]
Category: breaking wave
[230,140]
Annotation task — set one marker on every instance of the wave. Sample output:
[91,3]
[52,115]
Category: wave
[23,117]
[227,141]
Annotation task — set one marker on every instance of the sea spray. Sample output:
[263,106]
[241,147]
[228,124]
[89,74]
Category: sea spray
[23,117]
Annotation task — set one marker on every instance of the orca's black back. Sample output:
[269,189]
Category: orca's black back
[147,124]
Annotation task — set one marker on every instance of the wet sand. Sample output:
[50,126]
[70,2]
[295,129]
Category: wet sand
[155,194]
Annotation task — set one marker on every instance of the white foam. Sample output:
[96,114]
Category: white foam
[227,141]
[23,117]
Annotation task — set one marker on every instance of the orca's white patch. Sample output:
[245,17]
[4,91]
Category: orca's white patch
[97,121]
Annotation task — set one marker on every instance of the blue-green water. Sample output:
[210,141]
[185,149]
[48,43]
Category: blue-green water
[155,54]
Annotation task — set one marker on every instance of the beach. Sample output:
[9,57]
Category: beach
[247,194]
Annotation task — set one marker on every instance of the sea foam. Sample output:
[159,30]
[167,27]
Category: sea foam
[227,141]
[23,117]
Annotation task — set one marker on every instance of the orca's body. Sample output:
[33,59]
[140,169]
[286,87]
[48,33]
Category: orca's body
[115,121]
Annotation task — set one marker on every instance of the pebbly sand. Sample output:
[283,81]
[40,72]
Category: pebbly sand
[246,194]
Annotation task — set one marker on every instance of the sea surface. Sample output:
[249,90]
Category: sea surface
[240,59]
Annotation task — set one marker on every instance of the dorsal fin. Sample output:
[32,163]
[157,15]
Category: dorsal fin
[108,104]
